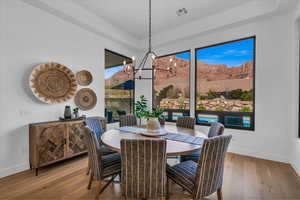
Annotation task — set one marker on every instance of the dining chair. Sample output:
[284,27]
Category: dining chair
[98,126]
[186,122]
[128,120]
[215,129]
[162,121]
[101,166]
[205,177]
[143,168]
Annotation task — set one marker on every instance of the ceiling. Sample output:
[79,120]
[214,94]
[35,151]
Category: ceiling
[132,15]
[113,59]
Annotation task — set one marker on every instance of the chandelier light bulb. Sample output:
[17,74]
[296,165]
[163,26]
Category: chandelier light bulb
[171,59]
[133,58]
[175,64]
[124,62]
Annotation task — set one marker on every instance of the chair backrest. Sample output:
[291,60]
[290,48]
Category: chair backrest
[186,122]
[128,120]
[210,169]
[121,112]
[143,168]
[215,129]
[162,121]
[94,152]
[97,125]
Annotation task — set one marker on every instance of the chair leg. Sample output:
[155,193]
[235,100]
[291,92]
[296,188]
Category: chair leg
[89,167]
[99,188]
[90,182]
[219,193]
[168,188]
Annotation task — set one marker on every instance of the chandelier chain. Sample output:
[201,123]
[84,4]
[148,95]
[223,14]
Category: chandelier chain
[150,24]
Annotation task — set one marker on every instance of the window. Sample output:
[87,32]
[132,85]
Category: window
[171,88]
[225,84]
[119,86]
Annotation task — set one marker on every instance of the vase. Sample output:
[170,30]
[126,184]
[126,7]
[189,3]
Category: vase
[76,115]
[153,125]
[68,113]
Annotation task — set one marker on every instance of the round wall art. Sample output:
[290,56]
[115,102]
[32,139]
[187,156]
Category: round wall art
[84,77]
[85,99]
[52,82]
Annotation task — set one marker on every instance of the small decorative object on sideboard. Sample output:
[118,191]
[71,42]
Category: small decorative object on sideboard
[76,112]
[68,113]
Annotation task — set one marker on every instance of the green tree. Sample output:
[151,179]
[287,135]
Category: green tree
[219,109]
[245,109]
[201,107]
[212,95]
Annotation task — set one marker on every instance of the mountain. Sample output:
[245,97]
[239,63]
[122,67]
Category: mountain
[218,78]
[119,77]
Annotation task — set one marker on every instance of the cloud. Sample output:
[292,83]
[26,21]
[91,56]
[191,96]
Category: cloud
[234,52]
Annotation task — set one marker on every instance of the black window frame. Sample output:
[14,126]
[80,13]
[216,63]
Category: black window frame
[171,111]
[221,114]
[133,93]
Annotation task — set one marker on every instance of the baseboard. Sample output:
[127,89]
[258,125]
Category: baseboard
[262,155]
[13,170]
[296,170]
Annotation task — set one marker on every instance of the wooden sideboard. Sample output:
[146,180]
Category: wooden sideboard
[50,142]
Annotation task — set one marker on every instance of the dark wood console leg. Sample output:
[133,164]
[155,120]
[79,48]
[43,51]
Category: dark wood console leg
[36,171]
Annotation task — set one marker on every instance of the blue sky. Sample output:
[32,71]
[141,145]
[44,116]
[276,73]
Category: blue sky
[230,54]
[111,71]
[184,55]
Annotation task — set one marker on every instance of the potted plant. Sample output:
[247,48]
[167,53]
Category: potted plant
[141,108]
[142,111]
[153,124]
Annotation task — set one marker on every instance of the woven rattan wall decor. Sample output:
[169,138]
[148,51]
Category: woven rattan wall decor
[52,82]
[84,77]
[85,99]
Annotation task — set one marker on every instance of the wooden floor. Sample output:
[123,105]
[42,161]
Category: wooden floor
[245,179]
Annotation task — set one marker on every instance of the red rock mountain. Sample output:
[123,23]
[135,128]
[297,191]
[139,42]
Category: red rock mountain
[217,78]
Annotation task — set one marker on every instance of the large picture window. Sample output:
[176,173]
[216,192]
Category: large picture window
[171,86]
[225,84]
[119,86]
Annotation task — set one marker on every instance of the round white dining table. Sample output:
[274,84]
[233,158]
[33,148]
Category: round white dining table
[112,139]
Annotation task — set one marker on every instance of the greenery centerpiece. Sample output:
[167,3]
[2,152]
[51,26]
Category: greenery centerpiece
[142,111]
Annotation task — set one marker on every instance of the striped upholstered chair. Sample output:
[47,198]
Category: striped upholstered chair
[205,177]
[143,169]
[98,126]
[101,166]
[162,121]
[186,122]
[128,120]
[216,129]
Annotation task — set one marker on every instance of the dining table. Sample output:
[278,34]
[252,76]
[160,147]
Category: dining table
[112,139]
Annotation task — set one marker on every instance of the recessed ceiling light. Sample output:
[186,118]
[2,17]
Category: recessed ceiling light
[181,12]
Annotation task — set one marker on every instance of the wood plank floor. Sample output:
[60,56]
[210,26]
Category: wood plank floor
[245,178]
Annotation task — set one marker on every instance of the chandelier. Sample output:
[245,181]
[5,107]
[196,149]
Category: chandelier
[137,71]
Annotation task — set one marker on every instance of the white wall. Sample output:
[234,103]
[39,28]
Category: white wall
[295,140]
[30,36]
[271,138]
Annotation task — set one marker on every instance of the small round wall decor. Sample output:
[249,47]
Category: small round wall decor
[85,99]
[84,77]
[52,82]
